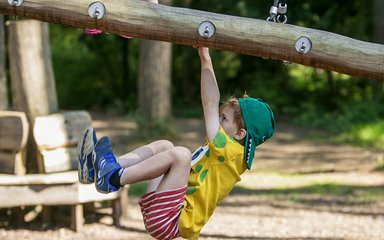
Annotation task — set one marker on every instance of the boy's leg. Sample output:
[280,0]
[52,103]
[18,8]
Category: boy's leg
[174,164]
[153,184]
[144,152]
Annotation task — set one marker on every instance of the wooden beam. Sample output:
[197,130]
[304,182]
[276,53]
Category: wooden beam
[238,34]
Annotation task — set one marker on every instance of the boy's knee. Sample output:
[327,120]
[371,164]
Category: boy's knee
[182,155]
[161,145]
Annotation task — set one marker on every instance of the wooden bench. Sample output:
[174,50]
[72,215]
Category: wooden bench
[56,136]
[14,129]
[57,189]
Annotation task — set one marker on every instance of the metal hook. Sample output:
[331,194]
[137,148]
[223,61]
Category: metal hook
[272,14]
[284,20]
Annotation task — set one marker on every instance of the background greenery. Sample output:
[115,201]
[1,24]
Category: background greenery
[100,72]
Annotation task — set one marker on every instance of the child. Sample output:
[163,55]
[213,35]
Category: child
[181,194]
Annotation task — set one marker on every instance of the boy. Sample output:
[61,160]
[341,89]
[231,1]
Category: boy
[181,194]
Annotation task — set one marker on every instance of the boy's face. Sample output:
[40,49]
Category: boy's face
[227,121]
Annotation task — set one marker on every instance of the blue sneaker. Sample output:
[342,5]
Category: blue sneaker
[105,165]
[85,148]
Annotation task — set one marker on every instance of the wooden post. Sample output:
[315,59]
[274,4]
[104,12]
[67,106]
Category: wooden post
[3,79]
[77,217]
[155,80]
[32,80]
[238,34]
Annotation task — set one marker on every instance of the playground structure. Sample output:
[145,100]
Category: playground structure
[256,37]
[57,183]
[157,22]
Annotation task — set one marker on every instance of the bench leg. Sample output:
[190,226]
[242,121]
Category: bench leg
[77,217]
[119,207]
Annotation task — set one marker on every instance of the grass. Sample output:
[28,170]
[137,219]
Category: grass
[137,189]
[380,163]
[364,135]
[300,189]
[311,189]
[321,194]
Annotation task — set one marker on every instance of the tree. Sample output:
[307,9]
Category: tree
[3,78]
[155,79]
[32,79]
[378,37]
[378,31]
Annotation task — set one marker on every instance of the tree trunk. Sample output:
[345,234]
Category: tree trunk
[154,80]
[378,37]
[378,30]
[32,79]
[3,79]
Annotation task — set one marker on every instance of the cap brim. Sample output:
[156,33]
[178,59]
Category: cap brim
[249,150]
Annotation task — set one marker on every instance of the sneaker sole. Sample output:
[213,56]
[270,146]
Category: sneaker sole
[84,149]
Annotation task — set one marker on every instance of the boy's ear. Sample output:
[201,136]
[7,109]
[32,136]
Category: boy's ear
[240,135]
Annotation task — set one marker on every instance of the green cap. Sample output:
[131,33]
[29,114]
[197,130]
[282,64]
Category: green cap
[259,122]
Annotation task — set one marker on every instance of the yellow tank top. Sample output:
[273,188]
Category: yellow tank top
[216,168]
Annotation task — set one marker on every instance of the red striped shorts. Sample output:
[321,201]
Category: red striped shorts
[161,212]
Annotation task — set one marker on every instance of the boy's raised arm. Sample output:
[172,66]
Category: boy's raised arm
[210,94]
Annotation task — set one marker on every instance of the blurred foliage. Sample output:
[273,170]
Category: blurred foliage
[100,72]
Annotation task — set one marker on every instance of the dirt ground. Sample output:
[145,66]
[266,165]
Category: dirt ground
[257,209]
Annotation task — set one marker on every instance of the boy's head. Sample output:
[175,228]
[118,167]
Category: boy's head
[252,123]
[259,122]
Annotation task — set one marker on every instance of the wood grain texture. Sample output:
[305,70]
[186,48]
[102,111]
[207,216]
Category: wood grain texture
[238,34]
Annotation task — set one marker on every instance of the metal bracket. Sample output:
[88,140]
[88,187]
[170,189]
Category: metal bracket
[96,10]
[303,45]
[207,29]
[15,3]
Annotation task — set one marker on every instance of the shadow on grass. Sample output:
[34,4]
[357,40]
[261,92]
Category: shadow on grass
[219,236]
[347,199]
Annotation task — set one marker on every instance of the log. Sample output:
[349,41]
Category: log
[48,189]
[60,159]
[14,129]
[57,135]
[56,189]
[238,34]
[13,162]
[60,129]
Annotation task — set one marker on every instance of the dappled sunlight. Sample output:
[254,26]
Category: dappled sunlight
[272,180]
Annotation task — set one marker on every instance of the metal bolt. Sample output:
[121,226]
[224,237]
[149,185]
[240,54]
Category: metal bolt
[15,3]
[96,10]
[206,32]
[303,45]
[206,29]
[96,13]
